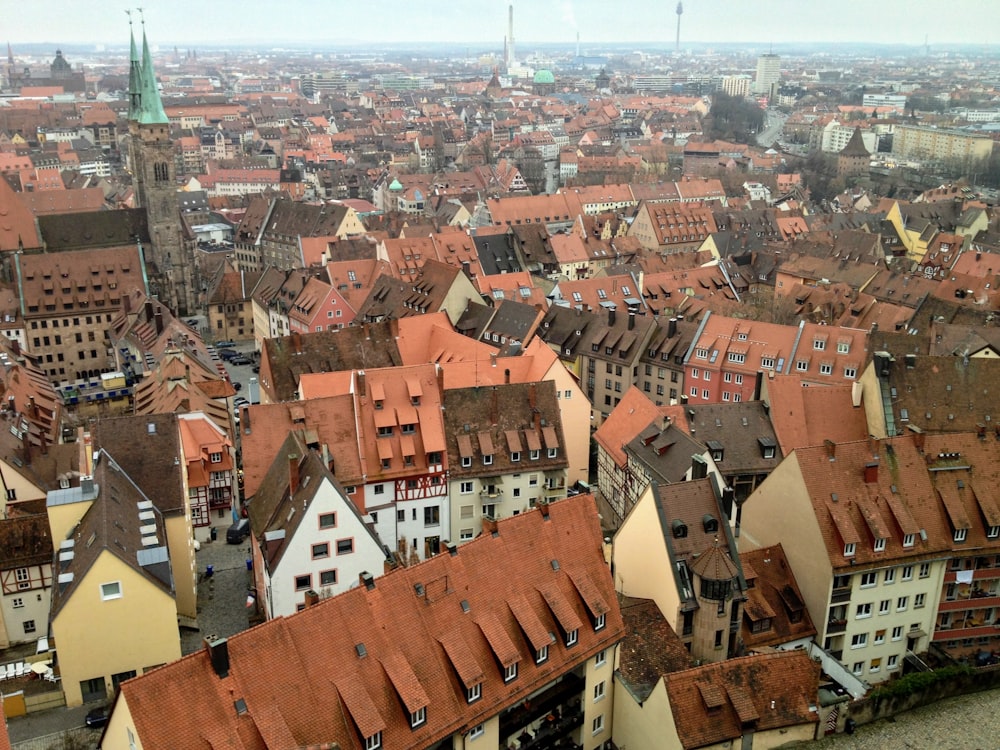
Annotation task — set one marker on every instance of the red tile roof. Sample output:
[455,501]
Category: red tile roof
[358,662]
[719,702]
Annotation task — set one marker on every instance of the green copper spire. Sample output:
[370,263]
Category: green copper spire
[150,107]
[134,75]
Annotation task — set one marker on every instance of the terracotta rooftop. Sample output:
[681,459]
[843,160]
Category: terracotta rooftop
[360,662]
[773,595]
[650,650]
[718,702]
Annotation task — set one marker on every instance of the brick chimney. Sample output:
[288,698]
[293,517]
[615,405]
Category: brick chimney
[293,473]
[871,472]
[490,526]
[312,598]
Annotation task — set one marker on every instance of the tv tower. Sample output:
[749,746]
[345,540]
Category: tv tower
[680,12]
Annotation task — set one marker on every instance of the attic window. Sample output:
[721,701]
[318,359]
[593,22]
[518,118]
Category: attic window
[679,528]
[710,523]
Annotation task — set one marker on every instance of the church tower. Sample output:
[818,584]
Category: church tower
[170,260]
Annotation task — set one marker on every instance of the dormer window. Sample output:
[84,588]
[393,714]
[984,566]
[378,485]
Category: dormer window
[993,532]
[385,431]
[908,539]
[542,655]
[374,742]
[572,637]
[600,621]
[737,357]
[466,462]
[474,693]
[215,458]
[819,344]
[418,717]
[408,429]
[488,459]
[510,673]
[553,452]
[379,403]
[533,455]
[960,535]
[701,353]
[515,456]
[880,545]
[849,549]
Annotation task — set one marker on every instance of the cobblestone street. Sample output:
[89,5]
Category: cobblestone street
[222,598]
[968,722]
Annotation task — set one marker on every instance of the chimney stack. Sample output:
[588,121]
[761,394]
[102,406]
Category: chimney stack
[452,548]
[631,319]
[218,652]
[543,506]
[149,310]
[490,526]
[699,467]
[312,598]
[158,319]
[871,472]
[671,328]
[368,580]
[611,316]
[293,473]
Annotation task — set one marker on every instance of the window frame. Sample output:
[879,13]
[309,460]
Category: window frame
[106,597]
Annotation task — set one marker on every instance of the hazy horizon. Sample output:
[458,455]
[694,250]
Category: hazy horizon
[704,22]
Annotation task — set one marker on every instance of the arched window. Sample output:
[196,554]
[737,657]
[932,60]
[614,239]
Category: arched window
[160,172]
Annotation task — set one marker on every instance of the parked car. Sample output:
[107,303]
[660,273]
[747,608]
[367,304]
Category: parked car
[237,386]
[240,359]
[240,402]
[221,344]
[97,717]
[228,354]
[256,368]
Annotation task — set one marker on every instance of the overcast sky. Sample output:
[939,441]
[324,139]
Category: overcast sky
[475,21]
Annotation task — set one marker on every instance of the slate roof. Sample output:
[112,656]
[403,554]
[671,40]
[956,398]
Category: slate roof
[357,663]
[738,429]
[25,540]
[286,358]
[650,649]
[78,231]
[147,448]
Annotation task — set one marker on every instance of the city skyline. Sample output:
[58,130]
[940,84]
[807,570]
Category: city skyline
[631,21]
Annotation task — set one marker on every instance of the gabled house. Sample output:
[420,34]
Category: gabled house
[210,466]
[26,575]
[308,538]
[863,525]
[318,307]
[677,548]
[445,653]
[113,570]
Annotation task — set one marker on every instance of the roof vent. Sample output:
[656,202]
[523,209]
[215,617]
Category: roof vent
[554,564]
[361,651]
[465,606]
[241,706]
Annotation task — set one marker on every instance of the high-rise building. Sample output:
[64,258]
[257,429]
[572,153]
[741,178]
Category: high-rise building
[736,85]
[768,74]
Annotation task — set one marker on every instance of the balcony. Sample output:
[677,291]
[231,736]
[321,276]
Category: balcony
[974,602]
[836,626]
[564,694]
[841,595]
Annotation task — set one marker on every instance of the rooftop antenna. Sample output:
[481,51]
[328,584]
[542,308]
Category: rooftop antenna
[680,12]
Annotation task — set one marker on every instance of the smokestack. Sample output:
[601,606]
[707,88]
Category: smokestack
[631,320]
[671,328]
[293,473]
[510,36]
[611,316]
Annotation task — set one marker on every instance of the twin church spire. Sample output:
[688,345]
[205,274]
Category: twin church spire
[144,103]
